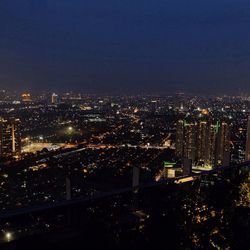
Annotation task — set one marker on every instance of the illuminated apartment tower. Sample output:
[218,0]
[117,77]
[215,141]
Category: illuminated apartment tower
[186,140]
[190,139]
[203,142]
[211,140]
[223,143]
[10,138]
[179,146]
[247,153]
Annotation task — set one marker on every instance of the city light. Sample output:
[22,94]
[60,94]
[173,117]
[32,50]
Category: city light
[8,236]
[124,124]
[65,151]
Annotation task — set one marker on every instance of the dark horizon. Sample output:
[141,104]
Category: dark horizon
[125,47]
[117,92]
[145,91]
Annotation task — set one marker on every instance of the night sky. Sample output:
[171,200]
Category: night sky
[125,46]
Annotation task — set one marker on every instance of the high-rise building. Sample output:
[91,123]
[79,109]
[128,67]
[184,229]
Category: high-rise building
[10,138]
[186,138]
[203,142]
[190,140]
[223,142]
[247,153]
[54,98]
[211,137]
[179,147]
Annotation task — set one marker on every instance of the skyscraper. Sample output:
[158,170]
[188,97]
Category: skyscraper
[10,138]
[211,137]
[190,140]
[203,142]
[186,138]
[247,153]
[179,146]
[223,142]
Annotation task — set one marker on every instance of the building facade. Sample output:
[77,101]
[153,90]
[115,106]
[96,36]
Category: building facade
[247,153]
[10,137]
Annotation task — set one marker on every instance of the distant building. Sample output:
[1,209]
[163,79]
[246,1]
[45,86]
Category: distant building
[26,97]
[71,97]
[10,138]
[54,98]
[203,142]
[2,95]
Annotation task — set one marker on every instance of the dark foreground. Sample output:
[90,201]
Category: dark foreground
[211,212]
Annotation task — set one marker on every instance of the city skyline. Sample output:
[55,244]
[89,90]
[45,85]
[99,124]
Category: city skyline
[124,124]
[69,148]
